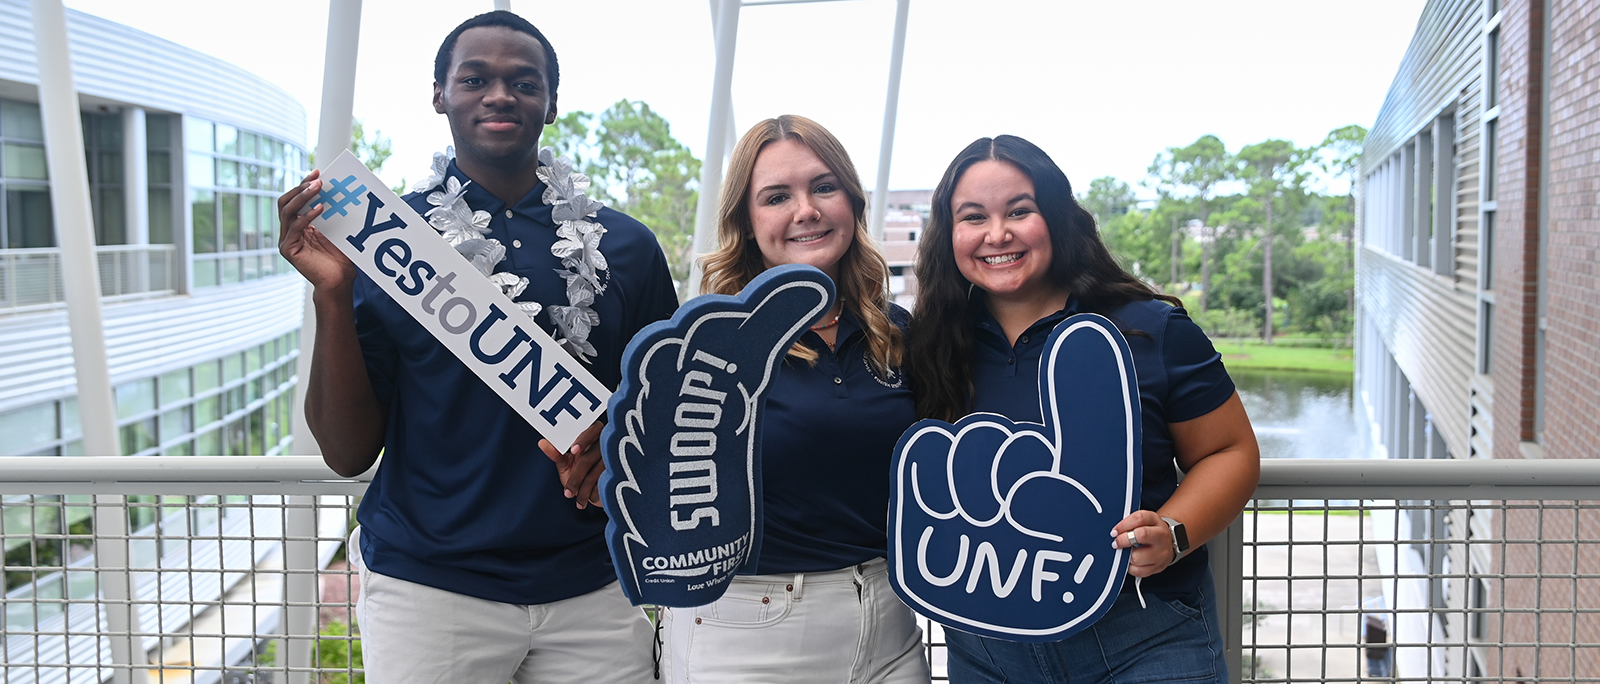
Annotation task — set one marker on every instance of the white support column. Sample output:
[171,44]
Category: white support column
[726,21]
[74,227]
[136,189]
[136,175]
[891,109]
[333,137]
[503,5]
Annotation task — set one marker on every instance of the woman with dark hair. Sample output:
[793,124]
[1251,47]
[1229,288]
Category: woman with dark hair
[1007,254]
[815,604]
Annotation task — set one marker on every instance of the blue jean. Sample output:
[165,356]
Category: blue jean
[1171,641]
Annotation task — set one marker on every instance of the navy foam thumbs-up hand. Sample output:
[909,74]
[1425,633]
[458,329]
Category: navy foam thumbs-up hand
[999,528]
[682,484]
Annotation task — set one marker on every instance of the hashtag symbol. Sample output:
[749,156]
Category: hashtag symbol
[339,195]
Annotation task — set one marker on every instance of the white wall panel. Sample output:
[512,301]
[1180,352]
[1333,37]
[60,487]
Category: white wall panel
[119,63]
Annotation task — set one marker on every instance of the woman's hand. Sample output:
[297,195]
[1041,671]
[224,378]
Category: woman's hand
[1151,541]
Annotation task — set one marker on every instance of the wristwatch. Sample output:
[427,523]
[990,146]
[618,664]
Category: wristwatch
[1180,538]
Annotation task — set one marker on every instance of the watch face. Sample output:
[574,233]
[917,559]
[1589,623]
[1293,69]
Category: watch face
[1180,536]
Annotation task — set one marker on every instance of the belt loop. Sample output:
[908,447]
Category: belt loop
[799,585]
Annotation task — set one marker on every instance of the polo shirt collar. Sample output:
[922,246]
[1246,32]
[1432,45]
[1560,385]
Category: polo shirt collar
[480,199]
[986,323]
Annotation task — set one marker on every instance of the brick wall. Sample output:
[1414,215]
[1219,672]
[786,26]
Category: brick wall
[1572,213]
[1571,113]
[1516,239]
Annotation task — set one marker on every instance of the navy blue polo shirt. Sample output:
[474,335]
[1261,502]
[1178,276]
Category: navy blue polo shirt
[826,442]
[464,499]
[1180,378]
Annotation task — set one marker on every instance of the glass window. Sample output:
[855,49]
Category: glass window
[208,410]
[108,168]
[205,273]
[232,368]
[111,229]
[205,222]
[138,436]
[1490,136]
[227,173]
[20,120]
[198,135]
[250,221]
[206,377]
[158,131]
[177,423]
[208,444]
[136,397]
[25,161]
[160,167]
[29,219]
[71,427]
[175,387]
[202,170]
[227,139]
[24,428]
[247,145]
[229,203]
[160,216]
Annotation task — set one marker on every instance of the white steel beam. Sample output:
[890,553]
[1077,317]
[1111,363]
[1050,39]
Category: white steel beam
[74,228]
[726,21]
[891,109]
[333,137]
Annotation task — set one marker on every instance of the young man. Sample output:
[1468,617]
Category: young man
[475,565]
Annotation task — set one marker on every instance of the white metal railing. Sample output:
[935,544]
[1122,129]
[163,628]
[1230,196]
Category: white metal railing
[30,279]
[1431,571]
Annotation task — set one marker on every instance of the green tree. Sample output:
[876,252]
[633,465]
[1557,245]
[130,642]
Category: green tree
[639,168]
[1108,198]
[1198,169]
[1342,159]
[1271,167]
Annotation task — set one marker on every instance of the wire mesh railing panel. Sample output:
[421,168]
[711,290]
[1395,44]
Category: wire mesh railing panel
[1421,591]
[189,587]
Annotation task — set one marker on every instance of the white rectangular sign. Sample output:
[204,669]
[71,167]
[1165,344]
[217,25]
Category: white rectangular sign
[406,257]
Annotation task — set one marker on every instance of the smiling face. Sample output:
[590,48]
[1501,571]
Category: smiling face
[496,97]
[799,211]
[1001,241]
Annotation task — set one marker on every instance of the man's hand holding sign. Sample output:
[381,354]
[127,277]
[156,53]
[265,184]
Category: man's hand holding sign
[407,258]
[682,483]
[999,528]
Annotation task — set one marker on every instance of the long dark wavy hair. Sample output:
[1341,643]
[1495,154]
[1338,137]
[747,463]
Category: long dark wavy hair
[939,355]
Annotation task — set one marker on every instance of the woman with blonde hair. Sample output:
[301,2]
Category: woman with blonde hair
[816,604]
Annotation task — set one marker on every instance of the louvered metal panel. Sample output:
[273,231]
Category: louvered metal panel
[1445,53]
[121,64]
[1428,325]
[147,338]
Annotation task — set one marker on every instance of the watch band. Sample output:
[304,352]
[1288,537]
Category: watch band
[1180,538]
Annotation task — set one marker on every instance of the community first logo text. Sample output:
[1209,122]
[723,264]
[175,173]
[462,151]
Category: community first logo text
[408,259]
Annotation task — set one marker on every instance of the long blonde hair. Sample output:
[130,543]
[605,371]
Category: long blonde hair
[863,273]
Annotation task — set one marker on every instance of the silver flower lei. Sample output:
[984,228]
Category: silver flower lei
[578,246]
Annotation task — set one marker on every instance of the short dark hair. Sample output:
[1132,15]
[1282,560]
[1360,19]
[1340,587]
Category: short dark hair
[441,62]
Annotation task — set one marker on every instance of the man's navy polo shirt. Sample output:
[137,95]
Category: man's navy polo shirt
[1180,378]
[826,442]
[464,499]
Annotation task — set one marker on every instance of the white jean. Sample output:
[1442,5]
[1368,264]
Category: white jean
[840,626]
[416,633]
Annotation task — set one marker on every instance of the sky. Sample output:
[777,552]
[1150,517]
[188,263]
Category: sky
[1103,87]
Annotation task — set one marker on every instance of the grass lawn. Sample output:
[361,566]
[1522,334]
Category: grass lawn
[1254,354]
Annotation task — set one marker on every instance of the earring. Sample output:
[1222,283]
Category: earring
[969,290]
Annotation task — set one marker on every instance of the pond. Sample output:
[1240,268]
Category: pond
[1300,414]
